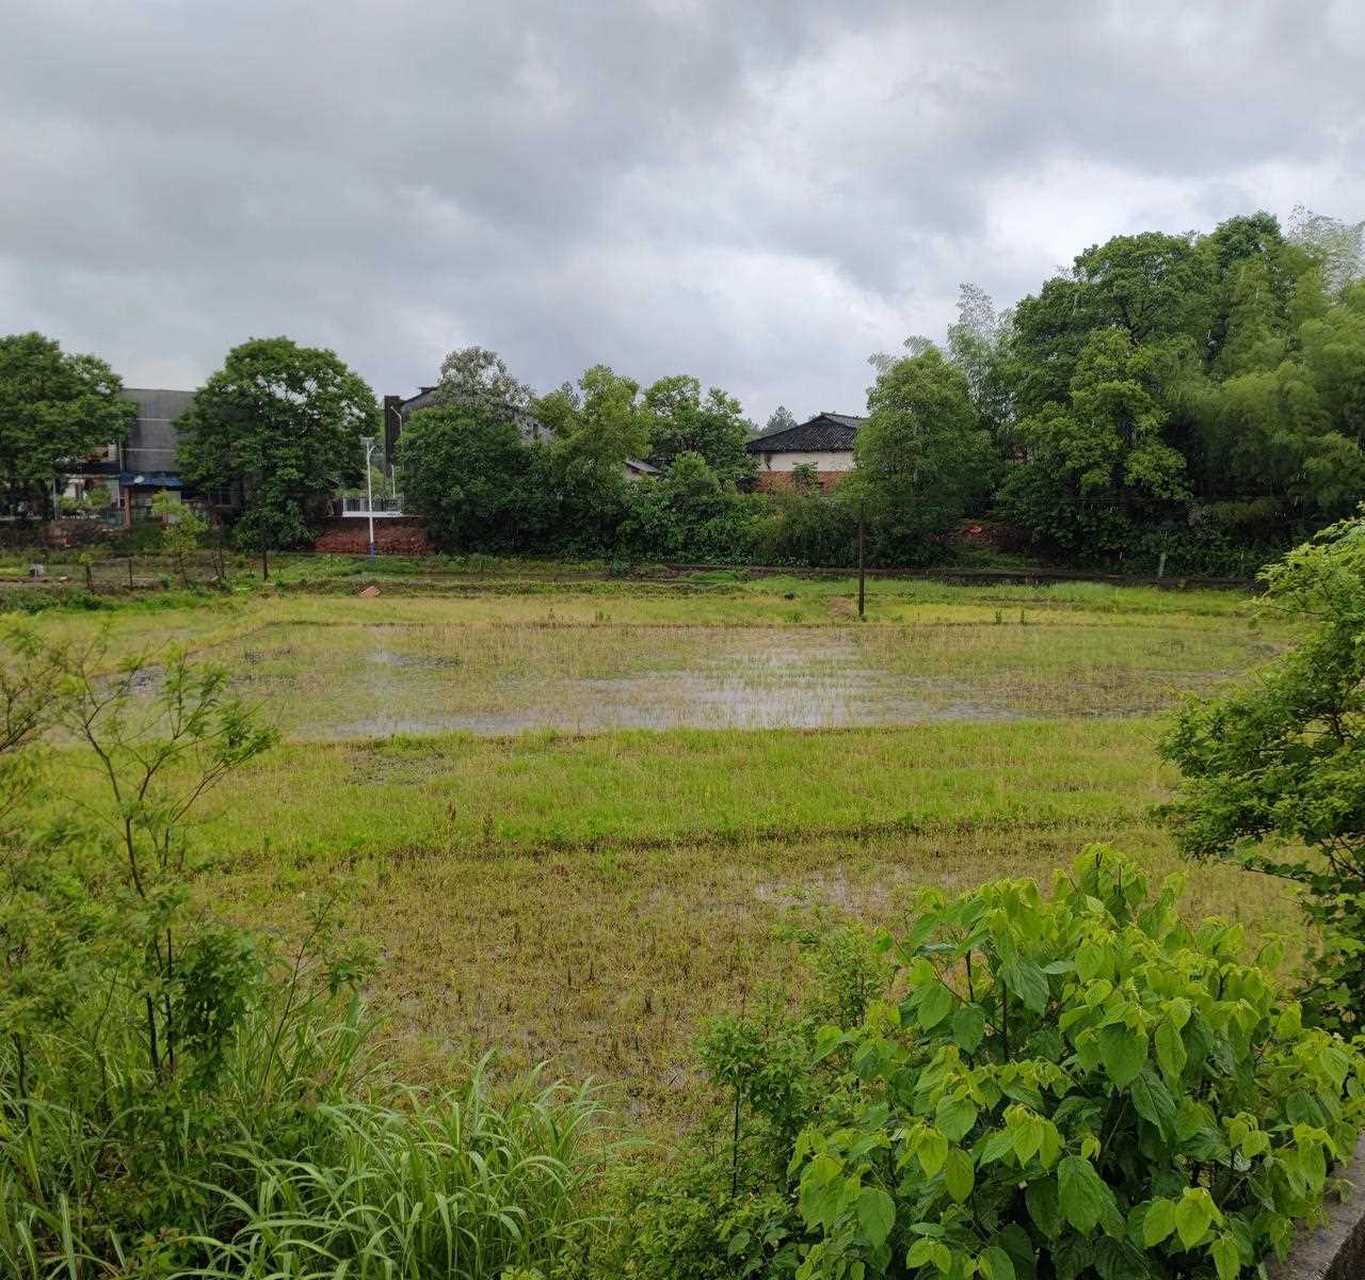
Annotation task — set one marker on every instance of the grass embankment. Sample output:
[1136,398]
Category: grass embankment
[589,899]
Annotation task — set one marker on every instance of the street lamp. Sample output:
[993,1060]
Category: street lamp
[368,442]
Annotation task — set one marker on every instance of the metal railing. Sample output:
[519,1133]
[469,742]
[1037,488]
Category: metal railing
[382,506]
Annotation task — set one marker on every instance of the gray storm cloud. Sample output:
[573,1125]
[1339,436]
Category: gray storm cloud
[760,194]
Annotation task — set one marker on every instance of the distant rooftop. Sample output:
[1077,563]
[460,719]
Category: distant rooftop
[824,433]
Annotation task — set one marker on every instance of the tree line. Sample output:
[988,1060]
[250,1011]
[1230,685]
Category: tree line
[1197,397]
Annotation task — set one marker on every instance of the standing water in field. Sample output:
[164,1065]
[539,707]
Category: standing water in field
[351,681]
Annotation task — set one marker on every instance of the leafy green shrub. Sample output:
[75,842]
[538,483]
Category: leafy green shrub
[1072,1086]
[1083,1079]
[809,529]
[1281,765]
[690,1226]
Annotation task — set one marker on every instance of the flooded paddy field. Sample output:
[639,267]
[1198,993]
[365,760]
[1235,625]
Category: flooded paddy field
[575,824]
[361,681]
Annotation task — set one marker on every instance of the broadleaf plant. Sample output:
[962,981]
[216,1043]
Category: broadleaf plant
[1076,1085]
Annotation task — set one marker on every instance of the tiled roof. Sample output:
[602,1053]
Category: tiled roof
[824,433]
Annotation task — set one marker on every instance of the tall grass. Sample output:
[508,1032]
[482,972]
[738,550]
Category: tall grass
[453,1187]
[296,1159]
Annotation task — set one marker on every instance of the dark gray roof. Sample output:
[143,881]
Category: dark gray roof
[824,433]
[424,399]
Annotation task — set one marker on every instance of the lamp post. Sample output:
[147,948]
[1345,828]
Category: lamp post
[862,585]
[369,492]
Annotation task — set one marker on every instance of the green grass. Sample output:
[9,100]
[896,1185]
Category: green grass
[323,804]
[589,899]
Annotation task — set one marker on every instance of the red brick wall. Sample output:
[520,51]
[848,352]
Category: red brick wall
[770,481]
[393,535]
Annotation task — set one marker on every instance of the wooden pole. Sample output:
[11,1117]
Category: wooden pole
[862,583]
[265,562]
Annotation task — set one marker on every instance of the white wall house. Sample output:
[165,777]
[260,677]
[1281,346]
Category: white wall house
[824,443]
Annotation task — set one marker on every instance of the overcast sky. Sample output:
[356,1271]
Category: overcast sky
[759,193]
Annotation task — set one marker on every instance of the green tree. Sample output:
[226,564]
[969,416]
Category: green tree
[1095,466]
[466,473]
[280,425]
[713,426]
[978,344]
[1333,351]
[922,455]
[595,425]
[182,530]
[1267,434]
[477,378]
[1278,768]
[1157,288]
[780,419]
[687,514]
[55,409]
[1253,273]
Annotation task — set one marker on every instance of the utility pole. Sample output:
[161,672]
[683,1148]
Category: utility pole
[862,582]
[369,491]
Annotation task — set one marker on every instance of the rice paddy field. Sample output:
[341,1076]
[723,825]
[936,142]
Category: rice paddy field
[575,819]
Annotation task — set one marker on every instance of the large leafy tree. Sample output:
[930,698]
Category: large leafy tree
[1154,287]
[685,421]
[1273,775]
[922,456]
[1101,461]
[466,473]
[55,408]
[281,426]
[596,425]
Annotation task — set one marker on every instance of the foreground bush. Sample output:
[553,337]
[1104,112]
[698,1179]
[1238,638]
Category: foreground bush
[1072,1086]
[1273,775]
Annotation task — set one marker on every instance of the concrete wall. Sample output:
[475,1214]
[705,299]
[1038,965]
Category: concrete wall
[1335,1251]
[840,461]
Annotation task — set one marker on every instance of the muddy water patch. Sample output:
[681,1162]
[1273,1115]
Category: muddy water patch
[701,678]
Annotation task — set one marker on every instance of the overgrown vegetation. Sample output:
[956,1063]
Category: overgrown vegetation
[179,1095]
